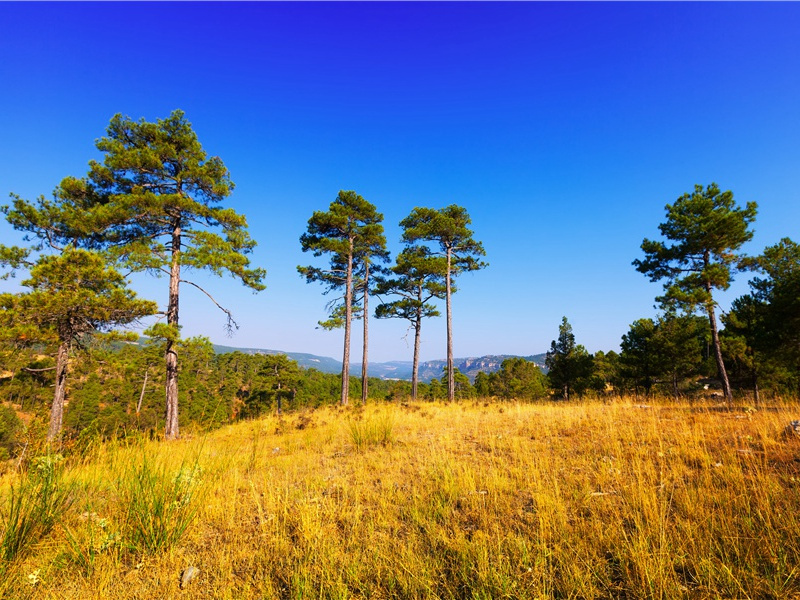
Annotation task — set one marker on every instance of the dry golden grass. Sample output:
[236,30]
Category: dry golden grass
[446,501]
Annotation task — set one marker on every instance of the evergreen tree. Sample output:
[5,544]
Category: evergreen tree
[517,379]
[639,357]
[706,229]
[73,294]
[351,234]
[154,203]
[447,230]
[417,279]
[569,364]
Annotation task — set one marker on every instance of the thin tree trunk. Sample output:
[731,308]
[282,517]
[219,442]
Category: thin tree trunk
[365,359]
[415,367]
[144,387]
[280,408]
[723,374]
[57,410]
[451,382]
[348,305]
[170,352]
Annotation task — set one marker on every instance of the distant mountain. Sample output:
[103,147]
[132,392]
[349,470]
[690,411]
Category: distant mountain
[325,364]
[472,366]
[398,369]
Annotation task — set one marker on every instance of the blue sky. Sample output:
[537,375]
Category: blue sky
[563,128]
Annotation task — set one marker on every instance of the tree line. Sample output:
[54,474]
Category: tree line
[155,204]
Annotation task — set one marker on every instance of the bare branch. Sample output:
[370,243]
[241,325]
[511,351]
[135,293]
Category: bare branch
[231,325]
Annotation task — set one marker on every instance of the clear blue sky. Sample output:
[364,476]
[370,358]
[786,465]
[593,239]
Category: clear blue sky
[563,128]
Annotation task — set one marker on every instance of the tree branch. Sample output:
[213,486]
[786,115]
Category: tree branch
[231,324]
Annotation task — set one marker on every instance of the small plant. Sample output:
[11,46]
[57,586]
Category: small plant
[34,507]
[160,507]
[372,432]
[97,539]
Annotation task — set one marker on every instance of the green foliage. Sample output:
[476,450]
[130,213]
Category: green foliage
[664,352]
[160,506]
[154,177]
[762,330]
[517,379]
[72,294]
[350,233]
[706,228]
[34,507]
[569,365]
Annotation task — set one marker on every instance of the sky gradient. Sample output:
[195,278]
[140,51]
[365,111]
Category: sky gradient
[563,128]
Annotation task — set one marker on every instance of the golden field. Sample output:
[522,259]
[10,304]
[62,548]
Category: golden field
[472,500]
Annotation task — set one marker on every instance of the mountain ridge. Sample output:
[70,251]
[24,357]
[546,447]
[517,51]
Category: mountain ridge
[396,369]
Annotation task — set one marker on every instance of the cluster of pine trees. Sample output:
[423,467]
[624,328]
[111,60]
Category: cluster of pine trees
[155,205]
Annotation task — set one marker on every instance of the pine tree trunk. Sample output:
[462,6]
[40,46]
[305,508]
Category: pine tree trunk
[451,382]
[364,354]
[57,410]
[348,306]
[723,374]
[415,367]
[170,352]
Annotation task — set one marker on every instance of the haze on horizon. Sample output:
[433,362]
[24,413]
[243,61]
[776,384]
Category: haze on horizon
[563,128]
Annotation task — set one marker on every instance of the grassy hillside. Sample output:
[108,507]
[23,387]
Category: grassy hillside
[427,501]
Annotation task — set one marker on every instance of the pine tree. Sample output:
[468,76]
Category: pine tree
[73,294]
[569,364]
[706,229]
[447,231]
[416,279]
[154,203]
[351,234]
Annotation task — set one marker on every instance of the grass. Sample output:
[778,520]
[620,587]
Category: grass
[436,501]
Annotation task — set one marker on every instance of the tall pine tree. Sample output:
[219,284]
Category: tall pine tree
[447,234]
[155,204]
[350,233]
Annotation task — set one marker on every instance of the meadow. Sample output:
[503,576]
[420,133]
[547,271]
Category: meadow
[425,500]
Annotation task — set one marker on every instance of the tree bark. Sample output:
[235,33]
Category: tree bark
[57,410]
[170,352]
[723,374]
[348,306]
[451,382]
[364,354]
[415,367]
